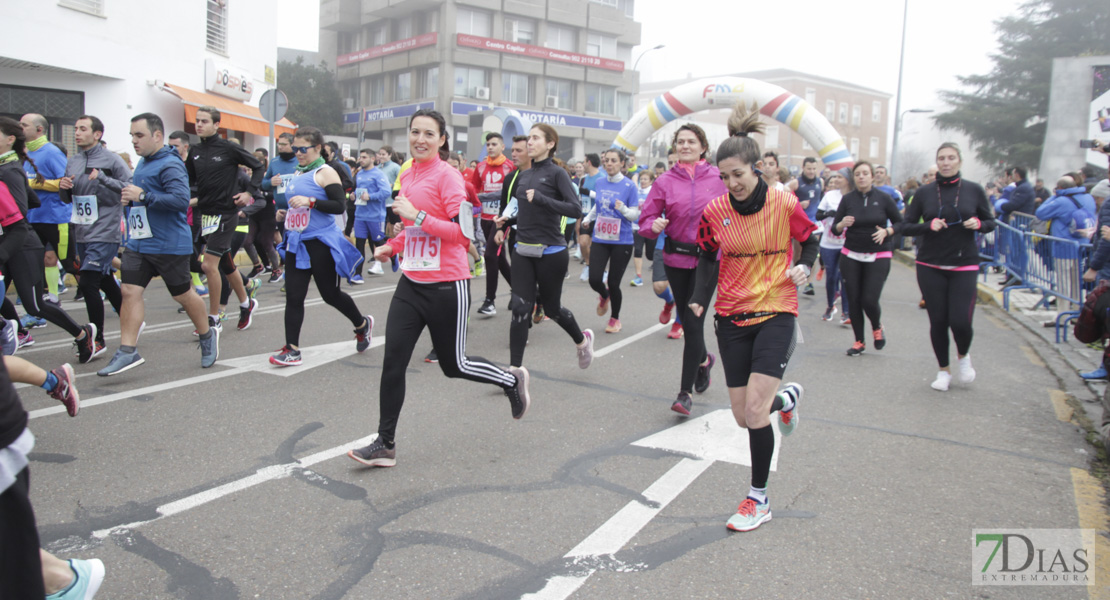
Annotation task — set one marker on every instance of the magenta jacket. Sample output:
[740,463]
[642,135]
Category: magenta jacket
[675,196]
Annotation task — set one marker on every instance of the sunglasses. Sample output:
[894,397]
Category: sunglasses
[302,149]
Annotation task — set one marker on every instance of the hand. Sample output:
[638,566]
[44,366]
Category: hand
[1105,232]
[130,194]
[879,235]
[93,174]
[365,197]
[299,201]
[192,201]
[275,181]
[398,228]
[66,183]
[383,252]
[846,223]
[798,274]
[973,223]
[937,224]
[242,215]
[279,216]
[243,198]
[403,208]
[499,237]
[500,221]
[1090,275]
[805,204]
[530,194]
[618,205]
[697,309]
[659,225]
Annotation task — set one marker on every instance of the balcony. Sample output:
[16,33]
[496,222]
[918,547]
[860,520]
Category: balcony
[340,15]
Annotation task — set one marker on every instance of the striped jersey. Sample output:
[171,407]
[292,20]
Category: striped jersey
[755,254]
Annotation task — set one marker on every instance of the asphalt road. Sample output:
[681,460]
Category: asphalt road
[231,482]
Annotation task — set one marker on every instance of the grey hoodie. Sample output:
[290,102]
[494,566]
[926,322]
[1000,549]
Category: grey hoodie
[113,175]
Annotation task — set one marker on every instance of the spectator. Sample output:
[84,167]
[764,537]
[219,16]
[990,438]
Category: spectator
[1041,192]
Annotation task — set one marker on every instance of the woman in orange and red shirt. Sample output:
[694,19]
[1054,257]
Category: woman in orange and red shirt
[744,242]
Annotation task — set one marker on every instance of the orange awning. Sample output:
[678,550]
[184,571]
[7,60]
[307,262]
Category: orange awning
[233,114]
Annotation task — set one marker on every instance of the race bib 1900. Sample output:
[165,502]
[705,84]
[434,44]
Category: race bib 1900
[297,218]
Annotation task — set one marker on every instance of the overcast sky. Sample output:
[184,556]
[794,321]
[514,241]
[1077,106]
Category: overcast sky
[858,41]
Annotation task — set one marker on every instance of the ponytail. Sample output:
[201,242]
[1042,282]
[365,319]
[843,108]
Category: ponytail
[9,126]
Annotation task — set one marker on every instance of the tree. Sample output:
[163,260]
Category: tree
[313,95]
[1005,111]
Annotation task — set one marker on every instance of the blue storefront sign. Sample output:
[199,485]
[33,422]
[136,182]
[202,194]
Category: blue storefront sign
[391,112]
[556,119]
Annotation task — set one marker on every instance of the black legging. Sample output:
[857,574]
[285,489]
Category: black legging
[237,240]
[91,284]
[360,243]
[638,245]
[693,351]
[24,268]
[442,307]
[547,271]
[495,255]
[863,285]
[260,236]
[327,282]
[950,301]
[617,256]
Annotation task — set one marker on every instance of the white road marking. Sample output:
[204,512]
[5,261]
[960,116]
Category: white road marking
[633,338]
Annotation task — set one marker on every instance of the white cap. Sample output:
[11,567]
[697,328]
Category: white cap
[1101,189]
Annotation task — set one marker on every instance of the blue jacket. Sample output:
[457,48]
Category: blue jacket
[376,185]
[1022,200]
[1060,207]
[285,168]
[51,163]
[166,182]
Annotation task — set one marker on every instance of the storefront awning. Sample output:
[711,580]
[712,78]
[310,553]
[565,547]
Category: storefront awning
[233,114]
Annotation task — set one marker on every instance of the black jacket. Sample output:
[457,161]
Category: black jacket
[541,220]
[871,210]
[953,246]
[213,167]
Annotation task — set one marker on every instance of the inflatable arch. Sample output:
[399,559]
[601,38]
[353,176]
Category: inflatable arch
[724,92]
[507,122]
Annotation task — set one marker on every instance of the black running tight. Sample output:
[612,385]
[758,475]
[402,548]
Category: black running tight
[616,256]
[25,270]
[950,301]
[693,351]
[91,284]
[495,255]
[327,282]
[863,285]
[547,272]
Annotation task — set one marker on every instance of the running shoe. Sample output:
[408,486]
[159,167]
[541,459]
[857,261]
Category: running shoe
[214,323]
[9,337]
[940,384]
[602,306]
[487,308]
[64,391]
[276,275]
[820,273]
[702,378]
[586,350]
[967,372]
[614,326]
[286,357]
[537,314]
[585,276]
[246,315]
[30,322]
[376,454]
[253,285]
[676,332]
[88,575]
[788,419]
[375,268]
[479,267]
[393,263]
[637,281]
[356,280]
[25,339]
[202,291]
[86,347]
[363,334]
[519,399]
[880,339]
[830,312]
[750,515]
[209,348]
[431,357]
[683,403]
[255,271]
[808,290]
[857,349]
[665,315]
[1099,373]
[122,361]
[845,320]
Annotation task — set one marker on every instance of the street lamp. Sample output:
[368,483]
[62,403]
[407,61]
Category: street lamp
[894,146]
[635,64]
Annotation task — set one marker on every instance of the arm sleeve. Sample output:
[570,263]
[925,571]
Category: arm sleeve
[631,210]
[452,193]
[591,215]
[381,190]
[567,204]
[650,211]
[267,177]
[841,212]
[708,269]
[116,178]
[802,230]
[823,211]
[335,204]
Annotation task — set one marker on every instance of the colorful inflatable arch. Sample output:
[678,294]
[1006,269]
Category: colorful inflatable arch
[724,92]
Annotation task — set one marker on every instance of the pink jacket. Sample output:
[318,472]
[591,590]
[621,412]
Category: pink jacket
[681,199]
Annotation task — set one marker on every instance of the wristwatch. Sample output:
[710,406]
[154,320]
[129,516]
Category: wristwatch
[420,216]
[142,196]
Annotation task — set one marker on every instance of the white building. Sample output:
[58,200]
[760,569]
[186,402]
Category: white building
[117,58]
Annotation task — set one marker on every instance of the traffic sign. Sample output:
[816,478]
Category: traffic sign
[273,105]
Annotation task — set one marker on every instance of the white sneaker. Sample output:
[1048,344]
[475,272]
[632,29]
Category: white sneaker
[967,373]
[375,268]
[941,382]
[585,274]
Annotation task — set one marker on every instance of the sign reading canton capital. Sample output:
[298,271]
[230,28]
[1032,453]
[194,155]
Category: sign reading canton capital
[226,80]
[554,119]
[391,112]
[427,39]
[508,47]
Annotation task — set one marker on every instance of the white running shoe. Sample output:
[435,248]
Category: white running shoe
[940,384]
[967,372]
[375,268]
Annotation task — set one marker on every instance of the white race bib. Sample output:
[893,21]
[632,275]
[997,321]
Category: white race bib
[296,219]
[85,210]
[489,207]
[422,250]
[138,227]
[209,224]
[607,229]
[867,257]
[285,179]
[359,201]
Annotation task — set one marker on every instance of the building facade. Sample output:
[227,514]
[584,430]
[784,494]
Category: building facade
[860,115]
[561,62]
[117,59]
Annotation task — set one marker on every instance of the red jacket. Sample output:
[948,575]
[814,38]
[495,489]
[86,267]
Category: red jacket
[488,178]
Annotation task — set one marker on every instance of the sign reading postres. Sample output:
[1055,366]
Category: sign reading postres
[1033,557]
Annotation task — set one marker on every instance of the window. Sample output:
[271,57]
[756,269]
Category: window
[830,110]
[561,38]
[375,93]
[404,87]
[350,92]
[811,96]
[612,3]
[521,31]
[601,45]
[627,7]
[559,92]
[856,110]
[771,138]
[345,42]
[876,111]
[468,80]
[874,148]
[474,22]
[516,88]
[216,38]
[374,36]
[93,7]
[854,148]
[431,82]
[600,99]
[624,106]
[402,28]
[843,115]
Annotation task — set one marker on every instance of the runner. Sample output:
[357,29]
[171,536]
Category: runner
[644,180]
[372,189]
[159,243]
[278,174]
[434,290]
[488,180]
[586,196]
[751,228]
[495,244]
[832,243]
[867,217]
[952,211]
[545,196]
[613,217]
[51,219]
[315,248]
[674,207]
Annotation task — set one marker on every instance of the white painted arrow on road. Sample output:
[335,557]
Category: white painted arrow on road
[710,438]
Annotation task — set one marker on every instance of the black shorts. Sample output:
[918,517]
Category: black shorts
[50,234]
[138,269]
[586,228]
[218,243]
[764,348]
[391,218]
